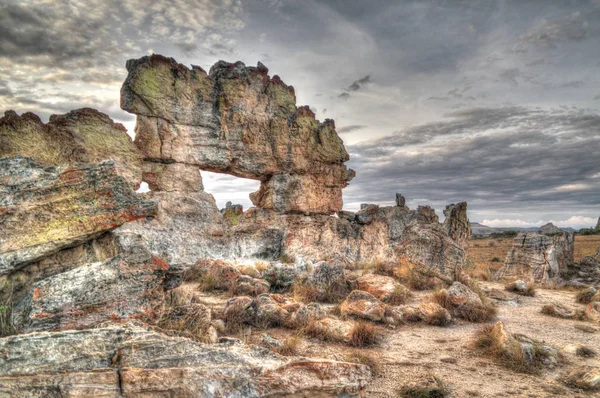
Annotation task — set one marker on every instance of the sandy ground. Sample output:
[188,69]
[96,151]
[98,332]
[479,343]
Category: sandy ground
[417,350]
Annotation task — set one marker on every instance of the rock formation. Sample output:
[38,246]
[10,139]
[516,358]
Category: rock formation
[240,121]
[133,362]
[45,210]
[549,229]
[538,257]
[82,135]
[456,223]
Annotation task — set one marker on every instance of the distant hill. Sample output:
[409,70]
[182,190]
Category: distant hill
[480,229]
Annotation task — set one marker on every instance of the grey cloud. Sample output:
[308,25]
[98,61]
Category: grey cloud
[344,96]
[350,129]
[548,33]
[510,76]
[357,84]
[504,157]
[438,98]
[187,48]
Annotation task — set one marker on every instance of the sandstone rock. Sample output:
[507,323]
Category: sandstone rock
[238,120]
[172,177]
[246,285]
[584,273]
[592,312]
[128,286]
[459,294]
[428,214]
[517,286]
[266,310]
[560,311]
[382,287]
[587,295]
[456,223]
[307,313]
[281,276]
[338,330]
[363,305]
[45,210]
[400,200]
[584,377]
[366,214]
[430,313]
[131,361]
[326,275]
[249,270]
[538,257]
[82,135]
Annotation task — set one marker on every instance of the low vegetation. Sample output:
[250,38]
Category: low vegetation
[469,311]
[529,289]
[511,356]
[365,334]
[305,292]
[432,387]
[364,358]
[585,352]
[7,328]
[289,347]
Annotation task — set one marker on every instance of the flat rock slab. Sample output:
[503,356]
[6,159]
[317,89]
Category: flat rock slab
[44,210]
[135,362]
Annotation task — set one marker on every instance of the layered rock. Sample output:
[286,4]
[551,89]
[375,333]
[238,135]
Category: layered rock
[457,224]
[130,285]
[538,257]
[45,210]
[133,362]
[237,120]
[82,135]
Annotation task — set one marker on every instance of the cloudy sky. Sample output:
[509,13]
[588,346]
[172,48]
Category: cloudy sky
[489,101]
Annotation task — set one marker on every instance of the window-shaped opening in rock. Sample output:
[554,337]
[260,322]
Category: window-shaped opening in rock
[227,188]
[143,187]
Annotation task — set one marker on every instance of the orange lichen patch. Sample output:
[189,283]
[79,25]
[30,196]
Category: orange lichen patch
[37,294]
[160,263]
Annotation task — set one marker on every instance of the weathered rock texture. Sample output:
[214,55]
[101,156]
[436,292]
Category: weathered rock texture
[456,223]
[134,362]
[45,210]
[130,285]
[538,257]
[82,135]
[237,120]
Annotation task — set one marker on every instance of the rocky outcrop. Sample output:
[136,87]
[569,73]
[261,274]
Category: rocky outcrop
[44,210]
[456,223]
[82,135]
[132,362]
[130,285]
[237,120]
[538,257]
[549,229]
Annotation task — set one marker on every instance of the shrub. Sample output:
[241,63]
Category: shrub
[399,296]
[287,258]
[364,334]
[495,260]
[317,331]
[511,356]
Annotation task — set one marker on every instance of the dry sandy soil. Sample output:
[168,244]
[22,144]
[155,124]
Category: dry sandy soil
[411,351]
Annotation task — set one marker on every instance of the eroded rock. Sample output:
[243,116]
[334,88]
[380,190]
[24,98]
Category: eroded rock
[45,210]
[82,135]
[538,257]
[456,223]
[238,120]
[363,305]
[132,361]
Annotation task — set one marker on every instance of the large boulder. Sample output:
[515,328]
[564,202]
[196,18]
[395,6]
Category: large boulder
[538,258]
[132,362]
[238,120]
[44,210]
[363,305]
[82,135]
[384,288]
[131,285]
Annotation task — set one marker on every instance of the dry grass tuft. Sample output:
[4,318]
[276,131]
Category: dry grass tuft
[399,296]
[364,358]
[289,347]
[306,293]
[317,331]
[434,388]
[584,297]
[7,328]
[409,275]
[510,356]
[586,352]
[365,334]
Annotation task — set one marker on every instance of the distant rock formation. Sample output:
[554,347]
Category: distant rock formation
[238,120]
[549,229]
[538,257]
[456,223]
[598,224]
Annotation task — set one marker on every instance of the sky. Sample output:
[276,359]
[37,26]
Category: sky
[495,102]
